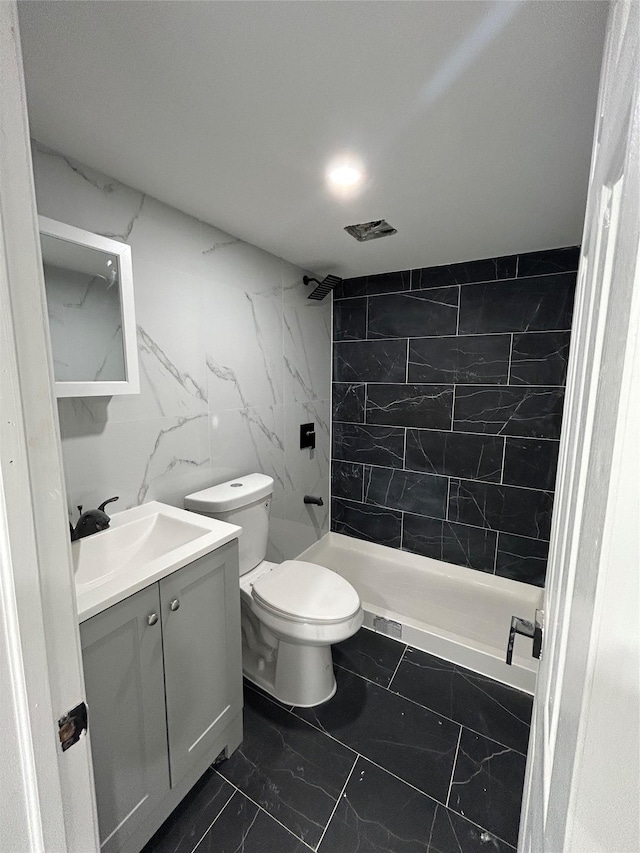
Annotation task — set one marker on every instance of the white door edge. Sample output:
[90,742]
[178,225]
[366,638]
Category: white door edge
[570,804]
[46,796]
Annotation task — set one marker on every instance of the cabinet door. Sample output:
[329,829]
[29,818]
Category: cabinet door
[122,657]
[202,654]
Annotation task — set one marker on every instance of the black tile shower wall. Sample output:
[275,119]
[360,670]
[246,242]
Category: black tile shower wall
[448,388]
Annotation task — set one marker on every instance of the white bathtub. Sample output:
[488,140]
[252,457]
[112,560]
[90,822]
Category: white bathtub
[458,614]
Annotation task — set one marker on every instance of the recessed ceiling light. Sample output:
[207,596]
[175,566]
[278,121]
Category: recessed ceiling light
[345,176]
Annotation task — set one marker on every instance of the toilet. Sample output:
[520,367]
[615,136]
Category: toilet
[291,612]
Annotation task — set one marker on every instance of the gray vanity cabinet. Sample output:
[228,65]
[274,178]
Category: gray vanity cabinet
[123,672]
[163,677]
[203,673]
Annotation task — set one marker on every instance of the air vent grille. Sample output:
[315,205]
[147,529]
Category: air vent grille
[371,230]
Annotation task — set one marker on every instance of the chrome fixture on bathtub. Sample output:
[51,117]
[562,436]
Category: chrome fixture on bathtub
[526,629]
[387,626]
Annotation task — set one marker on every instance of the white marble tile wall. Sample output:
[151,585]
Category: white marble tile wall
[233,358]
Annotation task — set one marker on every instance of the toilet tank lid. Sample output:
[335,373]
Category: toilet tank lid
[231,495]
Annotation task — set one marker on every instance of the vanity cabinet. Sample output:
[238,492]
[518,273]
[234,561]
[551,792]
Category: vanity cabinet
[163,677]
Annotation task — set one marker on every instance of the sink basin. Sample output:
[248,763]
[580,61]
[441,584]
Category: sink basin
[97,557]
[141,546]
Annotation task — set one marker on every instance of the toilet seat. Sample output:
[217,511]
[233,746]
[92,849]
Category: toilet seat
[305,592]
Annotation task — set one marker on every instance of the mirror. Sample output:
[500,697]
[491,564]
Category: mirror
[89,288]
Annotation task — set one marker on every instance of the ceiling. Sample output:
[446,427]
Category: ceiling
[473,120]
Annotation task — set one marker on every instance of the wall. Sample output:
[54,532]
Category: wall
[447,404]
[233,358]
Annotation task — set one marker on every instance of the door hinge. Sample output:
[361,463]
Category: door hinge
[72,725]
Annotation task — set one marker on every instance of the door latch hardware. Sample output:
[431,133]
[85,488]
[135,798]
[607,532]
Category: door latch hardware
[72,725]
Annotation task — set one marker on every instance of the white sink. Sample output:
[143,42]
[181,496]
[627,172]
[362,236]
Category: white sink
[142,545]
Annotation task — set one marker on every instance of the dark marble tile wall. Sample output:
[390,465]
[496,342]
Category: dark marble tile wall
[448,388]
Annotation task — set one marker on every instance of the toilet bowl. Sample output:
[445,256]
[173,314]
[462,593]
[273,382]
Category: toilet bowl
[292,612]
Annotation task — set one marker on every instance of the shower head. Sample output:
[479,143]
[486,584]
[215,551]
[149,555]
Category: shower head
[325,286]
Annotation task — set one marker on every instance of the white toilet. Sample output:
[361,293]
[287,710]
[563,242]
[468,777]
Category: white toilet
[292,612]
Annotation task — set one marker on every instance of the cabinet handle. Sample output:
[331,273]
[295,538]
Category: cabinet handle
[175,604]
[152,618]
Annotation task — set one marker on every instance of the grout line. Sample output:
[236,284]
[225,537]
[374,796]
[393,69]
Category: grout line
[453,769]
[495,556]
[331,397]
[406,372]
[419,705]
[458,312]
[370,760]
[482,828]
[231,796]
[453,410]
[510,358]
[404,651]
[435,518]
[260,808]
[380,766]
[462,335]
[514,278]
[500,386]
[504,453]
[366,318]
[340,795]
[359,755]
[446,514]
[449,476]
[517,264]
[463,432]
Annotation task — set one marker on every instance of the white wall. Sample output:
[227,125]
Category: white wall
[233,358]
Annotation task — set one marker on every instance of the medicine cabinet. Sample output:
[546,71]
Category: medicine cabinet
[89,288]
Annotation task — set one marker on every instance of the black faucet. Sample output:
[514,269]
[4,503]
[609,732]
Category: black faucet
[91,521]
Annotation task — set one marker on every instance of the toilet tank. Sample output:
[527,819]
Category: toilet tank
[245,501]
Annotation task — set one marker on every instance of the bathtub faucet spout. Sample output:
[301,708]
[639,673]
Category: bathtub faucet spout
[311,499]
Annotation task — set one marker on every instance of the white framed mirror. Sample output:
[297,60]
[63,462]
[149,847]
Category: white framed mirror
[89,287]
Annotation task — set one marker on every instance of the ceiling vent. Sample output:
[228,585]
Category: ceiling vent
[371,230]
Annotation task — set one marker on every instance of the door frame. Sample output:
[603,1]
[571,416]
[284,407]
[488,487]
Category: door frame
[595,542]
[46,795]
[46,800]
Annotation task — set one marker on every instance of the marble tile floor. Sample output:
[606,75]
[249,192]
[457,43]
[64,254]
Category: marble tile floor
[411,754]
